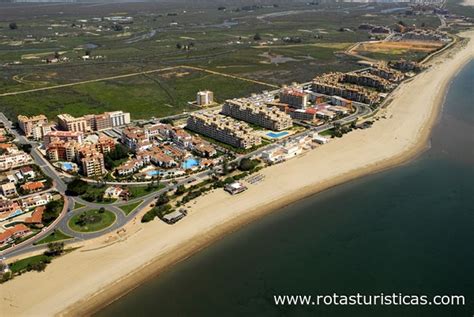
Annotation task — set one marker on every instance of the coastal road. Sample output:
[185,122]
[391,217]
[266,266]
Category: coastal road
[121,218]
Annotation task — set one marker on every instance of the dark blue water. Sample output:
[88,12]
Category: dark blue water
[408,230]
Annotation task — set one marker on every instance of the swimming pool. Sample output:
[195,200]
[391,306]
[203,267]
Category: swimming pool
[276,135]
[153,173]
[190,163]
[67,166]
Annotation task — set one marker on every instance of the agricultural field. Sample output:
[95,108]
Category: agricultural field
[415,50]
[275,42]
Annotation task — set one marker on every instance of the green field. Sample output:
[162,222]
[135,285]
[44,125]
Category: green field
[304,41]
[127,209]
[156,95]
[91,221]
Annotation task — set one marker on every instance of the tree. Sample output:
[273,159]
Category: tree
[246,164]
[257,37]
[162,200]
[76,187]
[13,26]
[179,46]
[25,147]
[55,249]
[56,54]
[180,190]
[51,212]
[101,210]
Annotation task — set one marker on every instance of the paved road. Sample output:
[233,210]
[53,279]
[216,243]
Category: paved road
[121,218]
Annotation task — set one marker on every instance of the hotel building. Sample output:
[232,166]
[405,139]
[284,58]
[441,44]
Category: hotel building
[267,117]
[223,129]
[94,122]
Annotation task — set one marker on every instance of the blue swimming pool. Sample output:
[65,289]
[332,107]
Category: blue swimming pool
[153,173]
[276,135]
[67,166]
[190,163]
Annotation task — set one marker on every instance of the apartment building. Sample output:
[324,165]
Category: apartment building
[223,129]
[28,123]
[59,150]
[204,98]
[63,136]
[93,164]
[295,98]
[331,84]
[369,80]
[39,131]
[267,117]
[135,139]
[69,123]
[405,65]
[387,73]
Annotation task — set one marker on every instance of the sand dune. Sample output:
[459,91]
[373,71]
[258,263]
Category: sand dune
[76,283]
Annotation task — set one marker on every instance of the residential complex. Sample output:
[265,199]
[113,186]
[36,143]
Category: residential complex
[267,117]
[223,129]
[164,146]
[332,84]
[367,79]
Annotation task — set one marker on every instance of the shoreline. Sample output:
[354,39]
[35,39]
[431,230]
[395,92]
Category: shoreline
[163,262]
[404,150]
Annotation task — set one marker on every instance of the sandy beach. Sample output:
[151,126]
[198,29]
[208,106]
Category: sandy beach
[469,3]
[86,279]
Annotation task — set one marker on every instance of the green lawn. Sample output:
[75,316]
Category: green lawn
[140,191]
[91,221]
[127,209]
[57,235]
[21,265]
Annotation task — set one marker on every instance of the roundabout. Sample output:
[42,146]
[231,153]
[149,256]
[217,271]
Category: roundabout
[92,220]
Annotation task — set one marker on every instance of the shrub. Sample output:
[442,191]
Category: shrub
[149,216]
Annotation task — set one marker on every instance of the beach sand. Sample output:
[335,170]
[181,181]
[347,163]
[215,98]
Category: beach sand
[469,3]
[78,283]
